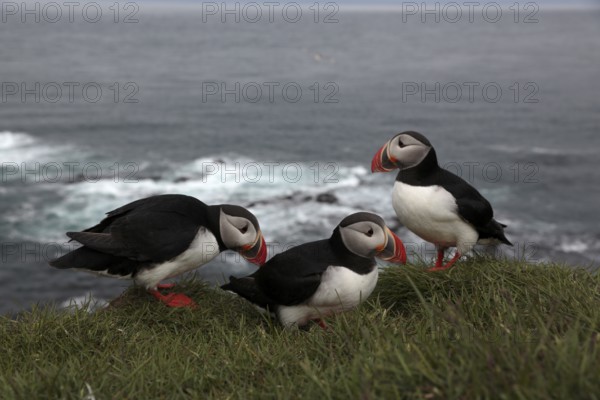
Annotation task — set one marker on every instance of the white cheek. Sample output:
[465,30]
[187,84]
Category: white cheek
[380,239]
[362,245]
[230,236]
[396,152]
[247,239]
[370,244]
[238,240]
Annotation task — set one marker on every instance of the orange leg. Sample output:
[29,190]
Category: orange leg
[322,324]
[165,286]
[177,300]
[438,264]
[440,258]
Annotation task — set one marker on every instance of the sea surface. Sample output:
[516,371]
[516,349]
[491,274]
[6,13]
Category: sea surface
[180,111]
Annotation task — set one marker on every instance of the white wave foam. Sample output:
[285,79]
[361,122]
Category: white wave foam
[286,205]
[549,151]
[12,140]
[19,148]
[88,303]
[574,246]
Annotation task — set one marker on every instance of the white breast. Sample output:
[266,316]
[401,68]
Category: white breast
[340,289]
[432,214]
[203,248]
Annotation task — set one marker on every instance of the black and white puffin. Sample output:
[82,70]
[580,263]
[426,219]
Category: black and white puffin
[160,237]
[432,202]
[317,279]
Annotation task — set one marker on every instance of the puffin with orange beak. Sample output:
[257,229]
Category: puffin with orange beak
[432,202]
[311,281]
[160,237]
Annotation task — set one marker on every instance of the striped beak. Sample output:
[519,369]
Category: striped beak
[383,162]
[393,250]
[256,253]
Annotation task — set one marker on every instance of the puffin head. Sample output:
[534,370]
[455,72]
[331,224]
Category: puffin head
[366,235]
[240,232]
[405,150]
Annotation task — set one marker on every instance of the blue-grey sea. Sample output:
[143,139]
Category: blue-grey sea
[284,117]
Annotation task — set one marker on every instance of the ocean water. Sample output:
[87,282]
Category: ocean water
[168,121]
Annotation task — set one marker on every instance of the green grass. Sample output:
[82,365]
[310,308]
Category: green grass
[486,329]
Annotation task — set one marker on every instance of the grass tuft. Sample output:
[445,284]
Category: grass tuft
[485,329]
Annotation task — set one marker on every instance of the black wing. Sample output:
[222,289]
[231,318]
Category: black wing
[472,206]
[248,289]
[293,276]
[154,229]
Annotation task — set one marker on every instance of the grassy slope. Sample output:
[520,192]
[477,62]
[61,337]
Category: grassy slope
[485,329]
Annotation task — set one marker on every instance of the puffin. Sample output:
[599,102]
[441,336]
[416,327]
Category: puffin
[163,236]
[317,279]
[433,203]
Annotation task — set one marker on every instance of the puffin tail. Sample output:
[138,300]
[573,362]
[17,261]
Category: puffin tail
[81,258]
[248,289]
[502,238]
[94,261]
[497,232]
[494,230]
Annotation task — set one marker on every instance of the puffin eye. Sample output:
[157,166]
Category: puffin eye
[370,232]
[244,229]
[400,144]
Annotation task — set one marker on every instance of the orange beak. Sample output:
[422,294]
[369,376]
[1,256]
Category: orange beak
[383,162]
[256,253]
[393,250]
